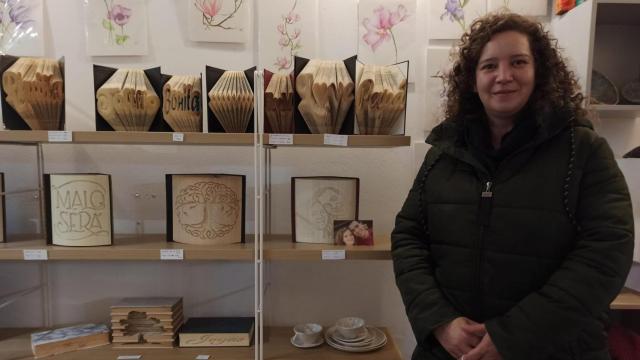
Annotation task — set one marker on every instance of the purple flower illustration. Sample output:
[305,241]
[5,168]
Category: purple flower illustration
[119,15]
[289,39]
[381,28]
[15,22]
[454,9]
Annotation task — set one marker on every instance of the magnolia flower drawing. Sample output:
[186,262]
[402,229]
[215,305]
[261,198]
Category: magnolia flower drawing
[454,9]
[212,17]
[15,21]
[380,28]
[117,16]
[289,38]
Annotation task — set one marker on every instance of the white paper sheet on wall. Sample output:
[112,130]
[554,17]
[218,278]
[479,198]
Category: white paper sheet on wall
[116,28]
[386,32]
[524,7]
[437,64]
[448,19]
[219,20]
[22,28]
[287,28]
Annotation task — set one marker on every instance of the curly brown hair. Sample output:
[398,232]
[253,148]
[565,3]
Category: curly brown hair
[556,87]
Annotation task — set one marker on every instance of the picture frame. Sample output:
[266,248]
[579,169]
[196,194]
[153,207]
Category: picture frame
[316,201]
[79,209]
[206,209]
[352,232]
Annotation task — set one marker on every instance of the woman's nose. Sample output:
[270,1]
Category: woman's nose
[505,73]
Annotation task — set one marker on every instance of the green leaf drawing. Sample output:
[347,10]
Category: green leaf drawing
[120,39]
[464,3]
[107,24]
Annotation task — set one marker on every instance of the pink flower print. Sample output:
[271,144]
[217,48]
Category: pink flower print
[283,62]
[210,8]
[281,29]
[381,29]
[296,33]
[283,42]
[292,18]
[119,14]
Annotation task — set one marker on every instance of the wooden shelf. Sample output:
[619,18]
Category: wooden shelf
[616,111]
[353,140]
[125,137]
[15,345]
[129,247]
[280,247]
[627,300]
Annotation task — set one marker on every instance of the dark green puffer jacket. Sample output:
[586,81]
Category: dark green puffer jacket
[536,251]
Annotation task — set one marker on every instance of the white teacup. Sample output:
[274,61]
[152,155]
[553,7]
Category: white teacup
[351,328]
[308,334]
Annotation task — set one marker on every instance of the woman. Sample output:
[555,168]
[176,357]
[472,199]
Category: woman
[344,236]
[518,230]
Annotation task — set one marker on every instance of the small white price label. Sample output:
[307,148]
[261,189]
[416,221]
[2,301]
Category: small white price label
[336,140]
[35,254]
[178,137]
[171,254]
[333,255]
[60,136]
[202,357]
[280,139]
[129,357]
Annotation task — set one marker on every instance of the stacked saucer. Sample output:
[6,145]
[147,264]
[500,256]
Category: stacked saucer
[351,335]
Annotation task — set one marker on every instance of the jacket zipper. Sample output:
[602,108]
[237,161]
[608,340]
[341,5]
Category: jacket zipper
[484,214]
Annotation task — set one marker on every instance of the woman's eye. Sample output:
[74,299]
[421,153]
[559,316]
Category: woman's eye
[488,67]
[520,62]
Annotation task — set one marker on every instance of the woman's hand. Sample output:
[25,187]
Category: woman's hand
[485,350]
[460,336]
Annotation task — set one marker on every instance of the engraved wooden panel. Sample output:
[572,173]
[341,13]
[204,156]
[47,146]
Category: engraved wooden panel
[80,209]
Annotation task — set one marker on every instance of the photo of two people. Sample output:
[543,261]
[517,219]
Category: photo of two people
[353,232]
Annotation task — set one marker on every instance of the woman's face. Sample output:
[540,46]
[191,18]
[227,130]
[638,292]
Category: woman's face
[347,238]
[505,75]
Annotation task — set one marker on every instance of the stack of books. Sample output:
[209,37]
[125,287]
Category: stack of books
[146,322]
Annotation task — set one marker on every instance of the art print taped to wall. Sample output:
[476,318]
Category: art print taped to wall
[287,28]
[386,31]
[21,28]
[218,20]
[317,201]
[79,209]
[438,63]
[116,27]
[206,209]
[523,7]
[449,19]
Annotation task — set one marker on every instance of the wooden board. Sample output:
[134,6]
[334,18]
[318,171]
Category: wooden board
[627,300]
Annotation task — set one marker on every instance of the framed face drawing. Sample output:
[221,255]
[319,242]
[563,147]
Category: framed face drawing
[21,33]
[219,20]
[317,201]
[206,209]
[3,219]
[79,209]
[116,27]
[523,7]
[449,19]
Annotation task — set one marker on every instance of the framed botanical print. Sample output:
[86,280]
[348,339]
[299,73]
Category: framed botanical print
[79,210]
[205,209]
[317,201]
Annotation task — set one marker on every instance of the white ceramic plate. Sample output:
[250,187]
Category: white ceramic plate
[296,343]
[602,89]
[336,335]
[379,340]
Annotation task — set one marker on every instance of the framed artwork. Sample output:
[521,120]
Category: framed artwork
[316,202]
[438,62]
[353,232]
[79,210]
[226,21]
[288,28]
[116,27]
[3,219]
[449,19]
[205,209]
[386,32]
[22,33]
[524,7]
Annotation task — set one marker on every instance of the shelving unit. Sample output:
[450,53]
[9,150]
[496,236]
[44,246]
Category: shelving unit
[352,141]
[15,345]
